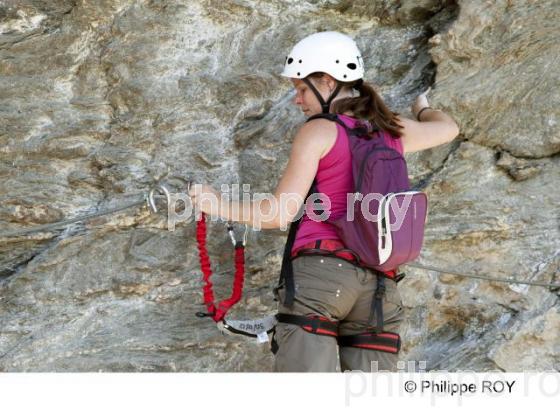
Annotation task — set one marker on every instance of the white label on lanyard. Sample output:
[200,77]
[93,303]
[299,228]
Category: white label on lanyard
[262,337]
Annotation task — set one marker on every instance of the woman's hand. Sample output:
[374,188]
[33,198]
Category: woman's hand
[205,199]
[420,102]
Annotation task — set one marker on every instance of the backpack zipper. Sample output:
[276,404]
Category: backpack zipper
[361,174]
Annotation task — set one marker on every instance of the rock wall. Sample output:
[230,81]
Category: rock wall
[100,99]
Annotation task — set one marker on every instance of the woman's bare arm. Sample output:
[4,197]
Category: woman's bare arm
[437,128]
[280,208]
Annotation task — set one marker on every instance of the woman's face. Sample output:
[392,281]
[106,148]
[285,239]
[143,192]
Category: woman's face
[306,99]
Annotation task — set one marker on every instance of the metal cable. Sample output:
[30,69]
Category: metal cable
[54,225]
[485,277]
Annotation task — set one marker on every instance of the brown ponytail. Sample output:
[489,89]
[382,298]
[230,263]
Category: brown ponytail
[368,106]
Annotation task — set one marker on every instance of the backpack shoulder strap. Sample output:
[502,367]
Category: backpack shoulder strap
[330,117]
[358,131]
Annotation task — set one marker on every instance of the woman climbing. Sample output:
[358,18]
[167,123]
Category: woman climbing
[332,296]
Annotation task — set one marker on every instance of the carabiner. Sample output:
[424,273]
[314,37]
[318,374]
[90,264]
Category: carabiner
[163,186]
[232,234]
[150,198]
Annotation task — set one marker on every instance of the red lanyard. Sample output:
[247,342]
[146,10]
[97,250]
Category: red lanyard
[217,312]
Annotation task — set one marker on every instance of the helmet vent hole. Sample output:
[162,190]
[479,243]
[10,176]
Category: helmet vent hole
[290,60]
[300,61]
[344,75]
[352,66]
[337,61]
[298,74]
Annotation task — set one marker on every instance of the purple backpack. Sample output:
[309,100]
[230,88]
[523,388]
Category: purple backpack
[387,228]
[386,224]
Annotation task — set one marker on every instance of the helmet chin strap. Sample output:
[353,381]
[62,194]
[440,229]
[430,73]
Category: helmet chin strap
[325,105]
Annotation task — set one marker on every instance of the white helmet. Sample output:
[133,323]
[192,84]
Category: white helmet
[329,52]
[326,52]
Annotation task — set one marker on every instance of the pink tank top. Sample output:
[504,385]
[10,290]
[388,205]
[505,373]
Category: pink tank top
[334,178]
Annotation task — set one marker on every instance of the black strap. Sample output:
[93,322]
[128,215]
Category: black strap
[358,84]
[386,341]
[400,277]
[316,324]
[287,271]
[377,303]
[330,117]
[273,343]
[324,105]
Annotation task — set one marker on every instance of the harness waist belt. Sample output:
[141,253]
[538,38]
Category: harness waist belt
[336,248]
[333,245]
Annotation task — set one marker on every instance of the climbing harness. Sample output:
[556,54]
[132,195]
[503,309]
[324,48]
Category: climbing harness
[335,248]
[375,340]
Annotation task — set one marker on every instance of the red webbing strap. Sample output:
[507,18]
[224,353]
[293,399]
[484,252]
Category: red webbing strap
[218,313]
[311,323]
[237,290]
[385,341]
[205,265]
[391,274]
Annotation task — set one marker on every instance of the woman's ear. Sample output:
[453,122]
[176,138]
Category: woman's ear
[329,81]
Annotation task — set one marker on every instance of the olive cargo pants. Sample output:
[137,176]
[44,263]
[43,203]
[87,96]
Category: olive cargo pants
[334,288]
